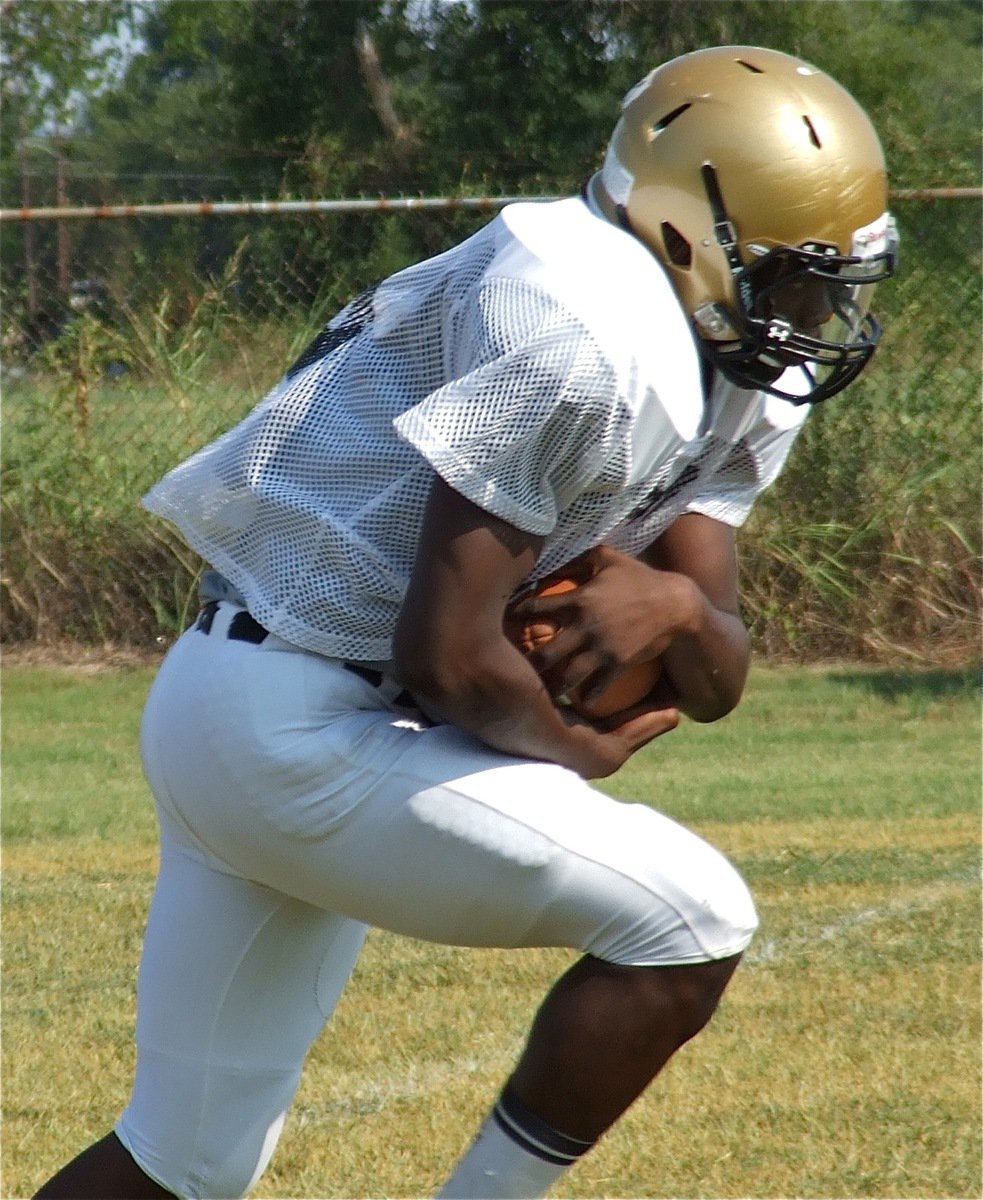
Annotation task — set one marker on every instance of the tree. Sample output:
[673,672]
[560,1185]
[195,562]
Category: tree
[255,97]
[271,97]
[518,95]
[54,56]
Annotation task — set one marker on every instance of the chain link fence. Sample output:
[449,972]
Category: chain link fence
[131,337]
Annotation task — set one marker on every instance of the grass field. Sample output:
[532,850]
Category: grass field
[844,1062]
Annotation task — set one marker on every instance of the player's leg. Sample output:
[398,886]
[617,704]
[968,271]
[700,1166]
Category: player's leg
[236,978]
[601,1036]
[453,843]
[574,1075]
[662,914]
[104,1169]
[664,918]
[235,982]
[289,770]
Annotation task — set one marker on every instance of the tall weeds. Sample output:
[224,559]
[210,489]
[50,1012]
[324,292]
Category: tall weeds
[868,546]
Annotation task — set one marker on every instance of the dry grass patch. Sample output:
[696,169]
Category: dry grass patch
[844,1061]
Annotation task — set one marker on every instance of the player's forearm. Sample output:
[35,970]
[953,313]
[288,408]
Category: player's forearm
[492,692]
[708,659]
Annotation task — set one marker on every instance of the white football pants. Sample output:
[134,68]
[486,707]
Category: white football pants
[298,807]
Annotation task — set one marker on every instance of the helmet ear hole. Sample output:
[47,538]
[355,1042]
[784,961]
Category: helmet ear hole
[678,249]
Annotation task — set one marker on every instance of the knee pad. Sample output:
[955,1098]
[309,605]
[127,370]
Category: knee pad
[675,899]
[731,918]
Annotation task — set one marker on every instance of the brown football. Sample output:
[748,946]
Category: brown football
[631,686]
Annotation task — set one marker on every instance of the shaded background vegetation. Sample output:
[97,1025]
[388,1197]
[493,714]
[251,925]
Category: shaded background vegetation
[868,546]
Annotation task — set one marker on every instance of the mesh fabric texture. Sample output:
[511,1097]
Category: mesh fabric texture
[543,368]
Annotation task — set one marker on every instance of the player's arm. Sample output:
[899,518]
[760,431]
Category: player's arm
[451,652]
[677,602]
[708,659]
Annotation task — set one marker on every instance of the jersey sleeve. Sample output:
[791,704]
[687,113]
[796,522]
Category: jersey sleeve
[752,465]
[531,416]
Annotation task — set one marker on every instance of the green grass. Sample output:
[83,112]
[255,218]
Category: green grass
[844,1062]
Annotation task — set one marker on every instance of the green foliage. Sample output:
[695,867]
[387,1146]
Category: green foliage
[236,95]
[168,132]
[869,544]
[521,95]
[251,94]
[52,55]
[881,497]
[297,73]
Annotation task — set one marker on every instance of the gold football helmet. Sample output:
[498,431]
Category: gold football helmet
[760,185]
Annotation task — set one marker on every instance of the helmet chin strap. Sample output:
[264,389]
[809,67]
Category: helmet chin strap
[760,371]
[726,235]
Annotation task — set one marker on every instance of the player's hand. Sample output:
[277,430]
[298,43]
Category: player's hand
[614,741]
[624,612]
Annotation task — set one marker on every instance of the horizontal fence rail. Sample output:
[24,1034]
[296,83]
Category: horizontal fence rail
[266,208]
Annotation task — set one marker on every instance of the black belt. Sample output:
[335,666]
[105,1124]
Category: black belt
[245,628]
[242,628]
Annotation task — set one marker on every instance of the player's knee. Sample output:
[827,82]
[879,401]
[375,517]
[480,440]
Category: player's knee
[731,917]
[695,992]
[686,993]
[704,913]
[719,915]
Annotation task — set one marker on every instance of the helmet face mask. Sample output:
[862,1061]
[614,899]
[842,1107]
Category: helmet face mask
[759,183]
[805,308]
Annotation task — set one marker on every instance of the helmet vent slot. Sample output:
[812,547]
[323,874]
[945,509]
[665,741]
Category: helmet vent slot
[813,136]
[678,249]
[667,120]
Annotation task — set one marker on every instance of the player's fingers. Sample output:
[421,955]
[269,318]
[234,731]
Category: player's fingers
[553,608]
[642,724]
[561,649]
[567,673]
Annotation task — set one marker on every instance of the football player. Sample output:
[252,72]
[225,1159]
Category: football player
[346,737]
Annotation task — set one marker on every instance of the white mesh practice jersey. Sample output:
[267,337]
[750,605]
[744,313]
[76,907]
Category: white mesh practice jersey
[543,368]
